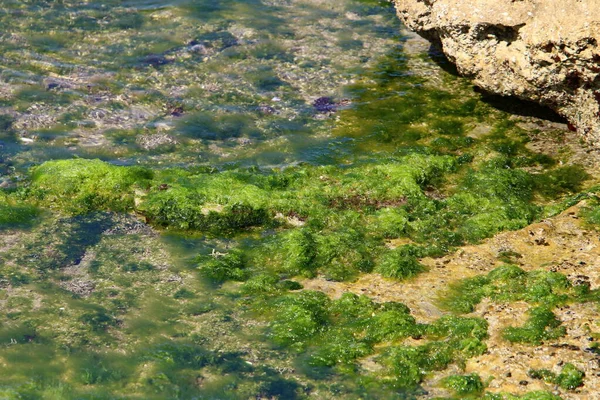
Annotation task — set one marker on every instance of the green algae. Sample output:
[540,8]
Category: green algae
[328,334]
[95,301]
[535,395]
[509,283]
[541,325]
[590,212]
[15,214]
[86,185]
[400,263]
[334,204]
[569,378]
[230,266]
[464,385]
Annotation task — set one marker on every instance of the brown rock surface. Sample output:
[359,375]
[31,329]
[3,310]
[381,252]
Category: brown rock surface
[540,50]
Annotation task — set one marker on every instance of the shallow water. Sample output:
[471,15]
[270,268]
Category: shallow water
[186,81]
[281,141]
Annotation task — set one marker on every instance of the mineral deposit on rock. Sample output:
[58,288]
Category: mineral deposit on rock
[540,50]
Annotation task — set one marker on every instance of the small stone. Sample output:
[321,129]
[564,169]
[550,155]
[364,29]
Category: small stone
[176,111]
[267,110]
[324,105]
[199,49]
[155,60]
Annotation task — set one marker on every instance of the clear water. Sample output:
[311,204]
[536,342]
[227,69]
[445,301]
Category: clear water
[102,305]
[184,82]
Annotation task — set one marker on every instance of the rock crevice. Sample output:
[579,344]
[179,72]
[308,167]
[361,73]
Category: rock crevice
[540,50]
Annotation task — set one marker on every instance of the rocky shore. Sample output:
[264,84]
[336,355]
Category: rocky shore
[545,51]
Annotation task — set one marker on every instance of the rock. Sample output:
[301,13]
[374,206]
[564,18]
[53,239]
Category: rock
[199,49]
[155,60]
[80,287]
[539,50]
[324,105]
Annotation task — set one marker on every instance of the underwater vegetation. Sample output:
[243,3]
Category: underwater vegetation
[13,214]
[319,220]
[334,334]
[172,174]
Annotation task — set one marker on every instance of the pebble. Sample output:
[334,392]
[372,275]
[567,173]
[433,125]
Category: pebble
[324,104]
[199,49]
[155,60]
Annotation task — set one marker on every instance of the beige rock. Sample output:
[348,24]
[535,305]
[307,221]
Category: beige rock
[540,50]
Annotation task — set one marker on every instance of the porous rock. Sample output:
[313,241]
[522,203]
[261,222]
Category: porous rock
[545,51]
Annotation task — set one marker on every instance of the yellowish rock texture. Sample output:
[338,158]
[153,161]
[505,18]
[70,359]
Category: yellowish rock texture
[540,50]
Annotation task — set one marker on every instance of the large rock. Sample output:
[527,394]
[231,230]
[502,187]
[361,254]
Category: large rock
[540,50]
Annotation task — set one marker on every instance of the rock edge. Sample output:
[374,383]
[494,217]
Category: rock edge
[544,51]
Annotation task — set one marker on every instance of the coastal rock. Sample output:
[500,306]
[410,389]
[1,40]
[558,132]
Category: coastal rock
[544,51]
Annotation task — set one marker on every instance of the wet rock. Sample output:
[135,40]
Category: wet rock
[543,51]
[155,60]
[156,141]
[128,225]
[80,287]
[200,49]
[57,84]
[7,184]
[175,110]
[324,105]
[243,141]
[175,278]
[266,110]
[567,346]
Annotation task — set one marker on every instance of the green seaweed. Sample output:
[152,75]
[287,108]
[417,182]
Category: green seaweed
[251,169]
[511,283]
[400,263]
[299,317]
[569,378]
[542,325]
[223,267]
[469,385]
[15,214]
[87,185]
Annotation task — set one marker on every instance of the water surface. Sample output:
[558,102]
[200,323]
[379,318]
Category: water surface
[279,141]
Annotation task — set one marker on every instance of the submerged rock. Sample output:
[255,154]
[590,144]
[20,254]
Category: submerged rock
[156,141]
[541,50]
[155,60]
[324,105]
